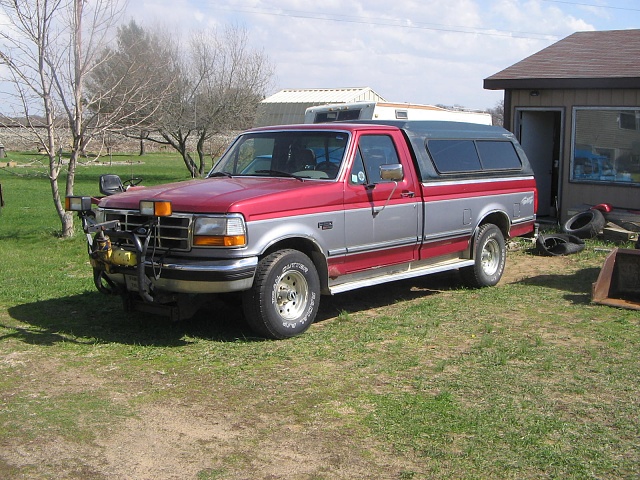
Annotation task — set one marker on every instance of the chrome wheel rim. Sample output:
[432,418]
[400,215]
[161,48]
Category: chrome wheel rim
[490,257]
[292,295]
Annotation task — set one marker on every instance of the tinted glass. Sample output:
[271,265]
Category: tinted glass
[497,155]
[349,115]
[452,156]
[324,117]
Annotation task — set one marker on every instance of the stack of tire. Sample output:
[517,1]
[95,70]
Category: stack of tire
[587,224]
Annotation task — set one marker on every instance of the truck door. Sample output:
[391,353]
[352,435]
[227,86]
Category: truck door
[381,217]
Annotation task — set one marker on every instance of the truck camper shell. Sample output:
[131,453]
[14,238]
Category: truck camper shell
[497,149]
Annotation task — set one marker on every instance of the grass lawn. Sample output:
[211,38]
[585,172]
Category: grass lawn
[414,380]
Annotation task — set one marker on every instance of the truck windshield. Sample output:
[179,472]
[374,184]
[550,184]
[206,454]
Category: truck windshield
[302,154]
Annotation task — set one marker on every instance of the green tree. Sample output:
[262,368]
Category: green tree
[133,80]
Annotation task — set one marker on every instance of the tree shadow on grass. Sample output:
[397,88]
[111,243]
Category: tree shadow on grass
[91,317]
[577,285]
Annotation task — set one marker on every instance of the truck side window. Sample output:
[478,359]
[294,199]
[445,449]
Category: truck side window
[373,151]
[358,175]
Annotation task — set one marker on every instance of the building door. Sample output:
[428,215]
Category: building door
[540,134]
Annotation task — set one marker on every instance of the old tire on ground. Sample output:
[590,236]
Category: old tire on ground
[586,224]
[490,255]
[284,299]
[558,244]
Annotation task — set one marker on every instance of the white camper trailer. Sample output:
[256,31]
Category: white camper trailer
[390,111]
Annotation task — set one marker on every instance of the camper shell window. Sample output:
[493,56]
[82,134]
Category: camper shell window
[466,156]
[496,155]
[454,156]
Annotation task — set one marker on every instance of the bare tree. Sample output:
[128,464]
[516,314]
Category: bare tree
[222,82]
[50,48]
[234,80]
[212,85]
[497,113]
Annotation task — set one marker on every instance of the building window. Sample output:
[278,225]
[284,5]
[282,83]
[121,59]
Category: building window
[606,145]
[628,120]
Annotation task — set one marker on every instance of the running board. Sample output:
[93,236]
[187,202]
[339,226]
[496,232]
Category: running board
[402,275]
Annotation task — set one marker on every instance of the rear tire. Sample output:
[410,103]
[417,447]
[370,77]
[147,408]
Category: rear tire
[490,254]
[284,299]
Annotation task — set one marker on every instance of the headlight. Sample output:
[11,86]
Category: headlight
[77,204]
[155,208]
[219,232]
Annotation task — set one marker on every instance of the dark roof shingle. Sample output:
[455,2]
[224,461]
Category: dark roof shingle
[609,57]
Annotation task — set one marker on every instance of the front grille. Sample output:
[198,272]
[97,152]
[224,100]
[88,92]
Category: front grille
[172,233]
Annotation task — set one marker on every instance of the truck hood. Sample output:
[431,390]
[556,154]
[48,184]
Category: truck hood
[250,195]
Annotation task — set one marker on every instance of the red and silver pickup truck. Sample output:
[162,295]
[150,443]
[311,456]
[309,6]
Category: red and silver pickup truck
[290,213]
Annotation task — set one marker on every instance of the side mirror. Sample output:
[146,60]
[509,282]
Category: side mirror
[110,184]
[391,172]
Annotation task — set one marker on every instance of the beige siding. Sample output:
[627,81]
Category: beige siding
[575,194]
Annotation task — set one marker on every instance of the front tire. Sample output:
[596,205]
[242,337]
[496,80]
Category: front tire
[490,254]
[284,299]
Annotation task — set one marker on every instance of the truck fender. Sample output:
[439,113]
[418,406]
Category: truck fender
[310,247]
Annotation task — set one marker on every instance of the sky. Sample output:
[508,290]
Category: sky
[418,51]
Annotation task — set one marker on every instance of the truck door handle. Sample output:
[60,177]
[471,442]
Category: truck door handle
[407,194]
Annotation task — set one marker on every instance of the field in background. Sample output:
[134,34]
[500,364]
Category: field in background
[418,379]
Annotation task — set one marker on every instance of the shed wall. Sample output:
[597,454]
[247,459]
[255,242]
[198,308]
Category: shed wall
[573,194]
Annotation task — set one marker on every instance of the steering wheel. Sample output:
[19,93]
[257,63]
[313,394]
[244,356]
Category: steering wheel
[131,182]
[330,168]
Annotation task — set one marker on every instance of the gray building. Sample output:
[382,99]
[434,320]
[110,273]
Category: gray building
[288,106]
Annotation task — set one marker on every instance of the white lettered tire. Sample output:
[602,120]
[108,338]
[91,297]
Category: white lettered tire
[284,299]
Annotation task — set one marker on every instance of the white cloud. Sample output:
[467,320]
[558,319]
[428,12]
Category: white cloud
[423,51]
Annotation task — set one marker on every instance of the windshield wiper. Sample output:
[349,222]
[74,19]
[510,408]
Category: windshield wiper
[278,173]
[221,174]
